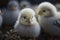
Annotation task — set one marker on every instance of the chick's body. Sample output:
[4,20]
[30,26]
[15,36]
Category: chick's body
[10,17]
[28,30]
[50,26]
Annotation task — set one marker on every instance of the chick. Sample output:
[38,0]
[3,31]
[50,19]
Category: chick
[49,18]
[24,4]
[27,25]
[11,13]
[1,19]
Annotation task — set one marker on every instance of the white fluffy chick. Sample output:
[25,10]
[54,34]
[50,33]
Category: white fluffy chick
[27,25]
[10,14]
[49,18]
[1,19]
[57,6]
[24,4]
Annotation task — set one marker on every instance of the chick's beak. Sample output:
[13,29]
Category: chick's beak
[12,8]
[29,20]
[40,13]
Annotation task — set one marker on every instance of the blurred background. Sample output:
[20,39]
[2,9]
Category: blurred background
[3,3]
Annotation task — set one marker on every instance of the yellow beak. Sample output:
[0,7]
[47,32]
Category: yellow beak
[29,21]
[40,13]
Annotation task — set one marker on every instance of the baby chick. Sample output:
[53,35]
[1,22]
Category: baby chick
[24,4]
[49,18]
[11,13]
[27,25]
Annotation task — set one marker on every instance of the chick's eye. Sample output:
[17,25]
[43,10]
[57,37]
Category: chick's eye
[24,17]
[44,10]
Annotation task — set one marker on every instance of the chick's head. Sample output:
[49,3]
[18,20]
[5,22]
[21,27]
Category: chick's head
[13,5]
[27,16]
[46,9]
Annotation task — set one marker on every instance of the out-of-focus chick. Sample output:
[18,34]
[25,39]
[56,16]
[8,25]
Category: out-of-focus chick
[10,14]
[57,6]
[49,18]
[1,19]
[34,7]
[27,25]
[24,4]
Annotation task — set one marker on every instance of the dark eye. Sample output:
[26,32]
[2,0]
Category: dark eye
[24,17]
[44,10]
